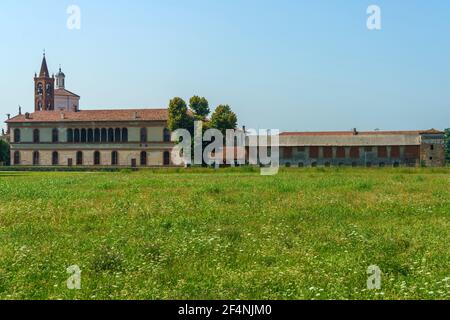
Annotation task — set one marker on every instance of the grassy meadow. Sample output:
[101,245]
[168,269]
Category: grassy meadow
[227,234]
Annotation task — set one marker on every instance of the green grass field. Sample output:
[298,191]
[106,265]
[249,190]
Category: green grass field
[228,234]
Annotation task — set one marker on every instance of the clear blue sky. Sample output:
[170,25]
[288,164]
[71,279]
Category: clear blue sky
[290,65]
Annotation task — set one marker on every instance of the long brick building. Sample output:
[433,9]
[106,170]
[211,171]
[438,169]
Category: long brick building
[58,133]
[353,148]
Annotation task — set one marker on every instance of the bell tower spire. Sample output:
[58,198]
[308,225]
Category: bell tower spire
[44,68]
[44,89]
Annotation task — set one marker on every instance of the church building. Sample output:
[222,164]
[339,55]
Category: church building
[58,133]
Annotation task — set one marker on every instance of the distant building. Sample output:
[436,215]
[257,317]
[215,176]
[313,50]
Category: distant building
[58,133]
[377,148]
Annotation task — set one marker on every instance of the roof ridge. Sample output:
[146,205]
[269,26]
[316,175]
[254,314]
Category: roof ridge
[386,132]
[122,110]
[64,89]
[102,115]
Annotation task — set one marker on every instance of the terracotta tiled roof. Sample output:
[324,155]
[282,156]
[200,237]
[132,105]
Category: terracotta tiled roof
[432,131]
[351,133]
[94,115]
[65,93]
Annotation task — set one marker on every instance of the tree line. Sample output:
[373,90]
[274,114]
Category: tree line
[182,116]
[4,153]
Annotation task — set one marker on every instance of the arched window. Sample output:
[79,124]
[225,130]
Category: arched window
[117,135]
[55,135]
[70,135]
[17,158]
[143,134]
[16,135]
[167,137]
[143,158]
[114,158]
[124,135]
[104,135]
[97,135]
[166,159]
[35,158]
[36,136]
[97,158]
[110,135]
[76,136]
[79,158]
[90,135]
[55,158]
[83,135]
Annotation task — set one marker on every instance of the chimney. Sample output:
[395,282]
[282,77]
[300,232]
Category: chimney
[20,110]
[244,129]
[63,116]
[9,116]
[355,132]
[74,108]
[135,115]
[27,115]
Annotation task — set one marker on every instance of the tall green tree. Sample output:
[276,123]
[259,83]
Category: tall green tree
[4,152]
[447,144]
[179,117]
[200,107]
[223,118]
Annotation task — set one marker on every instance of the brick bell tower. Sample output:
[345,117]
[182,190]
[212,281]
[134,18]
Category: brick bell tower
[44,99]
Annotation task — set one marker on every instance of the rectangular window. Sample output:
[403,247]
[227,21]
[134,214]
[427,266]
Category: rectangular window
[36,136]
[16,135]
[114,158]
[340,152]
[395,152]
[412,152]
[55,135]
[55,158]
[382,152]
[287,153]
[16,158]
[354,152]
[143,134]
[328,152]
[314,152]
